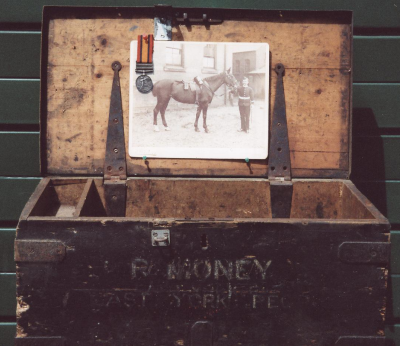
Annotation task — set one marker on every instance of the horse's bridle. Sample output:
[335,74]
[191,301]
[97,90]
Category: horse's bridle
[231,78]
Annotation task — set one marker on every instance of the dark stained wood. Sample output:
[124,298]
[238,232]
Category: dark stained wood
[286,278]
[36,201]
[59,197]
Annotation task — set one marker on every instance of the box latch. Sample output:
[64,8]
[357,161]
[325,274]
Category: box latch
[364,252]
[279,167]
[115,159]
[32,250]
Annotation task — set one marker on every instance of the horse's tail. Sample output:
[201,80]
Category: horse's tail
[164,85]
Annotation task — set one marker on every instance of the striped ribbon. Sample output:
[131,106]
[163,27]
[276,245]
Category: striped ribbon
[145,49]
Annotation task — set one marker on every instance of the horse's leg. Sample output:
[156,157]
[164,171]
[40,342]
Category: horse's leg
[162,111]
[155,112]
[196,126]
[205,119]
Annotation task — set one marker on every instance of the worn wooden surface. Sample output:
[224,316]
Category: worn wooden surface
[317,89]
[198,199]
[232,273]
[183,198]
[352,207]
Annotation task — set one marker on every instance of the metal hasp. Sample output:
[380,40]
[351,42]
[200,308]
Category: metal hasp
[160,237]
[39,250]
[115,159]
[279,168]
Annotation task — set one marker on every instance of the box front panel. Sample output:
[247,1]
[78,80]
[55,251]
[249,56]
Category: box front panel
[132,283]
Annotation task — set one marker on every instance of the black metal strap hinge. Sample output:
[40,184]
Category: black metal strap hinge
[39,250]
[166,16]
[115,158]
[279,167]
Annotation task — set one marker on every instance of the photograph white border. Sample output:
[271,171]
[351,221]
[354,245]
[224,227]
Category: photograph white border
[190,152]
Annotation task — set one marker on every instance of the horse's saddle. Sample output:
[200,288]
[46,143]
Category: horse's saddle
[190,85]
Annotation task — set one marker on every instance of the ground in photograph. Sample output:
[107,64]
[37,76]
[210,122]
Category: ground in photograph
[223,123]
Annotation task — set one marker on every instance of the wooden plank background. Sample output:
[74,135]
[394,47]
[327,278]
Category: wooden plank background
[316,84]
[376,118]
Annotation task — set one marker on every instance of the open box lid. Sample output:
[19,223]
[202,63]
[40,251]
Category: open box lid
[79,44]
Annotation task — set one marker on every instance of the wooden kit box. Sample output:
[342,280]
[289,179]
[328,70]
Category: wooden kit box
[198,258]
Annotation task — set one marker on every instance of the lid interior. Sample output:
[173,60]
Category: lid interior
[79,45]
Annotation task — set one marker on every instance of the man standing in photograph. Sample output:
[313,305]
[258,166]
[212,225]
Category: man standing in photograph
[246,101]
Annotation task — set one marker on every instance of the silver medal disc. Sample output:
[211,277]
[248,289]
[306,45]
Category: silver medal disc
[144,84]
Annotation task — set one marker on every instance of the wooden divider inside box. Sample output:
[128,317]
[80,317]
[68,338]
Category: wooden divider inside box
[180,198]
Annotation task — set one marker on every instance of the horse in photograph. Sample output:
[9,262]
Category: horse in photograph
[167,88]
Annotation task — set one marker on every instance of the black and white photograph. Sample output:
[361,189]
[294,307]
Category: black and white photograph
[207,100]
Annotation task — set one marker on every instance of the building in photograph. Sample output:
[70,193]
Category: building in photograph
[251,64]
[186,61]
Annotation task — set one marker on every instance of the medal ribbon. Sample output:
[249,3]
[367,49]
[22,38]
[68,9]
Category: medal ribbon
[145,49]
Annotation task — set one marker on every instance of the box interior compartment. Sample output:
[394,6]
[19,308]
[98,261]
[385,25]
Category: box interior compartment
[59,198]
[184,198]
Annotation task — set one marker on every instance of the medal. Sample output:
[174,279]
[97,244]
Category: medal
[144,84]
[144,63]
